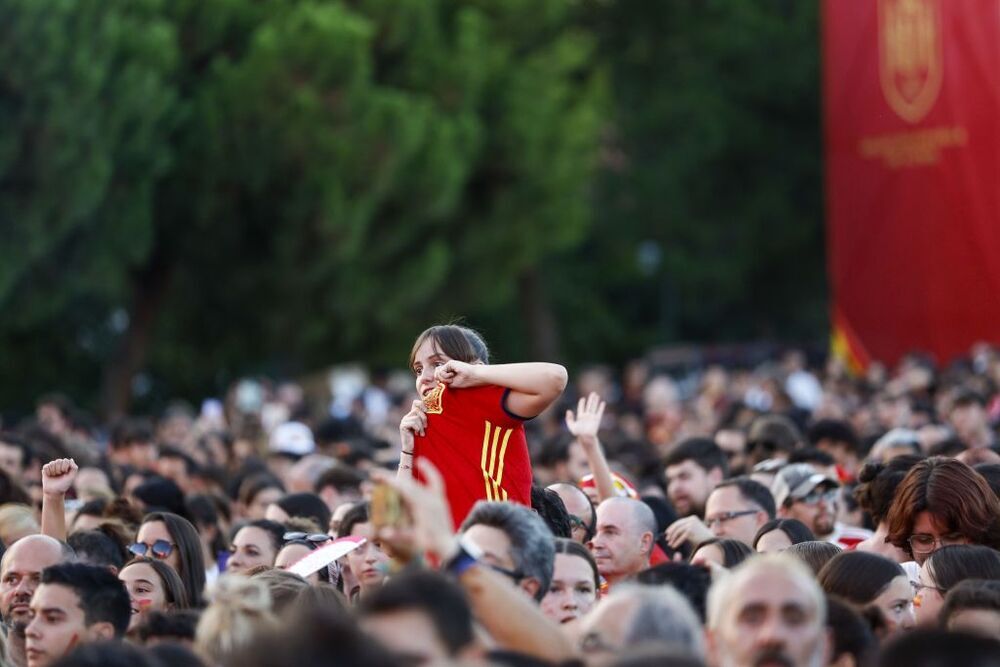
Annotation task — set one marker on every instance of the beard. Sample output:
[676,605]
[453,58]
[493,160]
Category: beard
[823,525]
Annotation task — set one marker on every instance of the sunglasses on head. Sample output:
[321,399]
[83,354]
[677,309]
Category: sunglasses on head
[316,538]
[159,549]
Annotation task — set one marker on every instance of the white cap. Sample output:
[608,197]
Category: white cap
[292,438]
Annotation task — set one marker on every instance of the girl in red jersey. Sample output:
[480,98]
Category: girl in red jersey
[469,420]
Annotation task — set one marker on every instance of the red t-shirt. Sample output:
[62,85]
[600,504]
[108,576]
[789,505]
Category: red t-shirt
[478,446]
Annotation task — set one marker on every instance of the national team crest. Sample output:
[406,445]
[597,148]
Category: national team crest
[432,401]
[911,63]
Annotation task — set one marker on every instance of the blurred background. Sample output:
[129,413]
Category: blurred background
[195,191]
[192,191]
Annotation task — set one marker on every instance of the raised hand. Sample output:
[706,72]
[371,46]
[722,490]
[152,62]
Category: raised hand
[58,476]
[586,423]
[687,529]
[458,374]
[427,506]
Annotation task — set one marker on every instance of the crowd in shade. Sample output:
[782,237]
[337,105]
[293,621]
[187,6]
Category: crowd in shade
[785,513]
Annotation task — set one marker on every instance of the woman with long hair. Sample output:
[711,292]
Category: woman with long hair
[575,582]
[868,580]
[172,539]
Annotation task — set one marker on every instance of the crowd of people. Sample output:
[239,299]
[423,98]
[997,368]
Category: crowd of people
[513,514]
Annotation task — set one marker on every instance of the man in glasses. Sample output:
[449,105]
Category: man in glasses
[581,511]
[20,572]
[737,508]
[515,542]
[810,496]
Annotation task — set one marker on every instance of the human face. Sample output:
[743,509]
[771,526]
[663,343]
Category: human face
[579,508]
[771,620]
[734,443]
[410,635]
[22,570]
[688,486]
[257,509]
[773,542]
[252,546]
[145,591]
[896,604]
[572,592]
[983,622]
[728,502]
[291,554]
[818,510]
[57,625]
[426,360]
[929,597]
[368,562]
[11,460]
[618,545]
[928,529]
[157,530]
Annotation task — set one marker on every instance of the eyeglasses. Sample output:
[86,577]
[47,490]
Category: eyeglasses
[727,516]
[593,642]
[316,538]
[917,587]
[814,497]
[923,543]
[514,575]
[159,549]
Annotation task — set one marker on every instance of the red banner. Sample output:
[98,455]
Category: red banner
[912,123]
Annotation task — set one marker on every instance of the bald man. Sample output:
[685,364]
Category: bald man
[581,510]
[624,538]
[769,610]
[20,571]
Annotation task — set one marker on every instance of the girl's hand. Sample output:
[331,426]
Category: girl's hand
[413,423]
[458,374]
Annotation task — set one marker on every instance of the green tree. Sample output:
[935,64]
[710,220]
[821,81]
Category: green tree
[709,220]
[344,173]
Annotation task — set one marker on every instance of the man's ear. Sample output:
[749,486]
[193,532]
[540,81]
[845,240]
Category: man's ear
[646,543]
[715,476]
[101,631]
[530,585]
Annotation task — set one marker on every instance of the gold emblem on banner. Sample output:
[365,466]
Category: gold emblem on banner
[911,64]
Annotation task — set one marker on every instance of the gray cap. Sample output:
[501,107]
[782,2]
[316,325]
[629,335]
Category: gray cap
[797,481]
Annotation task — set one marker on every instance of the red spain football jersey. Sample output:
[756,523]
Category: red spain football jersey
[477,445]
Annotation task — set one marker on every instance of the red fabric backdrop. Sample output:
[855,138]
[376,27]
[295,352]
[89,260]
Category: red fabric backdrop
[912,124]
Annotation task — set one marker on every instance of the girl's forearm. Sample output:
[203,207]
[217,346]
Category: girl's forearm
[533,378]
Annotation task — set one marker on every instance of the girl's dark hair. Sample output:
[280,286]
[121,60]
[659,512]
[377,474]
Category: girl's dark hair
[796,531]
[204,512]
[192,560]
[959,562]
[256,483]
[552,509]
[858,576]
[355,515]
[815,554]
[307,505]
[850,632]
[734,552]
[456,342]
[275,531]
[572,548]
[877,483]
[956,495]
[173,587]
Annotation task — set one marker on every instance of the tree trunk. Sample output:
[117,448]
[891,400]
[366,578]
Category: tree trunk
[539,320]
[149,286]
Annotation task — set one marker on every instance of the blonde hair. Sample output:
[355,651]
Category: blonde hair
[16,519]
[240,609]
